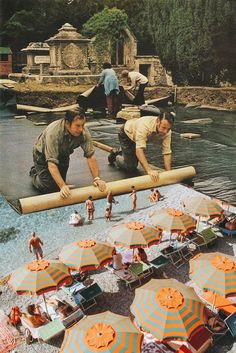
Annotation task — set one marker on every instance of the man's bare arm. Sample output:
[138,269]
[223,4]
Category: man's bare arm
[167,158]
[56,175]
[93,166]
[154,174]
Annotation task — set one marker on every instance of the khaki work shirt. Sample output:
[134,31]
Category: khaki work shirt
[141,129]
[136,78]
[56,143]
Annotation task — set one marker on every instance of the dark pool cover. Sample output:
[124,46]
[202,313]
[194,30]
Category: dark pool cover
[16,141]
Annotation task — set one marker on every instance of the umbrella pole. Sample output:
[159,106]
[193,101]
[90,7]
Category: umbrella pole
[214,301]
[46,307]
[198,223]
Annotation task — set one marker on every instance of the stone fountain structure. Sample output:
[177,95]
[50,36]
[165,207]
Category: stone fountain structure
[69,52]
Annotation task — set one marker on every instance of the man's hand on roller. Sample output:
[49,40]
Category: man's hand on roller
[154,175]
[65,191]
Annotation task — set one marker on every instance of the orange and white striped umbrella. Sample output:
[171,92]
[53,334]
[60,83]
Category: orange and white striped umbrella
[214,271]
[39,277]
[173,221]
[106,332]
[135,235]
[203,207]
[167,308]
[86,254]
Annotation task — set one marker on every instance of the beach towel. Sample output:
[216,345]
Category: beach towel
[7,339]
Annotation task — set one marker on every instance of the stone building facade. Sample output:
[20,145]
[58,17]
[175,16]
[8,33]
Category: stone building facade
[73,58]
[68,52]
[33,51]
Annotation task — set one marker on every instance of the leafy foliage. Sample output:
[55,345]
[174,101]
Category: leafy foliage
[195,39]
[108,26]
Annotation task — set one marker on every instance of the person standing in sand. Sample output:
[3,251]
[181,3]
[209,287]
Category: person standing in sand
[90,208]
[110,200]
[134,198]
[35,245]
[108,214]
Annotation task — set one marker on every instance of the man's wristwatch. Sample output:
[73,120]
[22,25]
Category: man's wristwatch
[95,181]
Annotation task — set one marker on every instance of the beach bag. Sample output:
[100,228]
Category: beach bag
[15,315]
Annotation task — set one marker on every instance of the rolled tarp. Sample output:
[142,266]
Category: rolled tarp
[53,200]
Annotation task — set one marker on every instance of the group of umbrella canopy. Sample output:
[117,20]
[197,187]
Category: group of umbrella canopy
[165,308]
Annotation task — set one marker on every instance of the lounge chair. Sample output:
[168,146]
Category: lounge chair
[230,322]
[183,349]
[74,288]
[197,240]
[141,269]
[221,303]
[73,318]
[85,297]
[131,280]
[198,342]
[175,254]
[159,262]
[216,331]
[89,295]
[31,333]
[209,236]
[50,330]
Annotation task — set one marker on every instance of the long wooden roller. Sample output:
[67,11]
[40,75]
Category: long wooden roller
[53,200]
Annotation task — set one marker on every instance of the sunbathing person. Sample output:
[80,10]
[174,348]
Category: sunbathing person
[34,317]
[63,309]
[140,255]
[231,225]
[117,261]
[155,196]
[213,321]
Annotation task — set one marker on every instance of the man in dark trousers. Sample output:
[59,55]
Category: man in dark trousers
[51,153]
[136,80]
[133,137]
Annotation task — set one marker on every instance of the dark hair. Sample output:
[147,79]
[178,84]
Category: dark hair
[71,114]
[76,212]
[31,309]
[167,116]
[90,197]
[106,65]
[141,250]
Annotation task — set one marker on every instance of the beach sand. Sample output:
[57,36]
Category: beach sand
[53,228]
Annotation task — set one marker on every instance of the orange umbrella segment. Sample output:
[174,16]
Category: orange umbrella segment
[106,332]
[173,221]
[135,235]
[215,272]
[167,309]
[86,254]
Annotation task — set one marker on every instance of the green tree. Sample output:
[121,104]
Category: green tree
[108,26]
[195,39]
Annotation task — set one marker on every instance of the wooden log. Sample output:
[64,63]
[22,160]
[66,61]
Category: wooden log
[102,146]
[53,200]
[30,108]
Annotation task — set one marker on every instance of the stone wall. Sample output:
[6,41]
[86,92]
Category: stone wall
[156,72]
[52,96]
